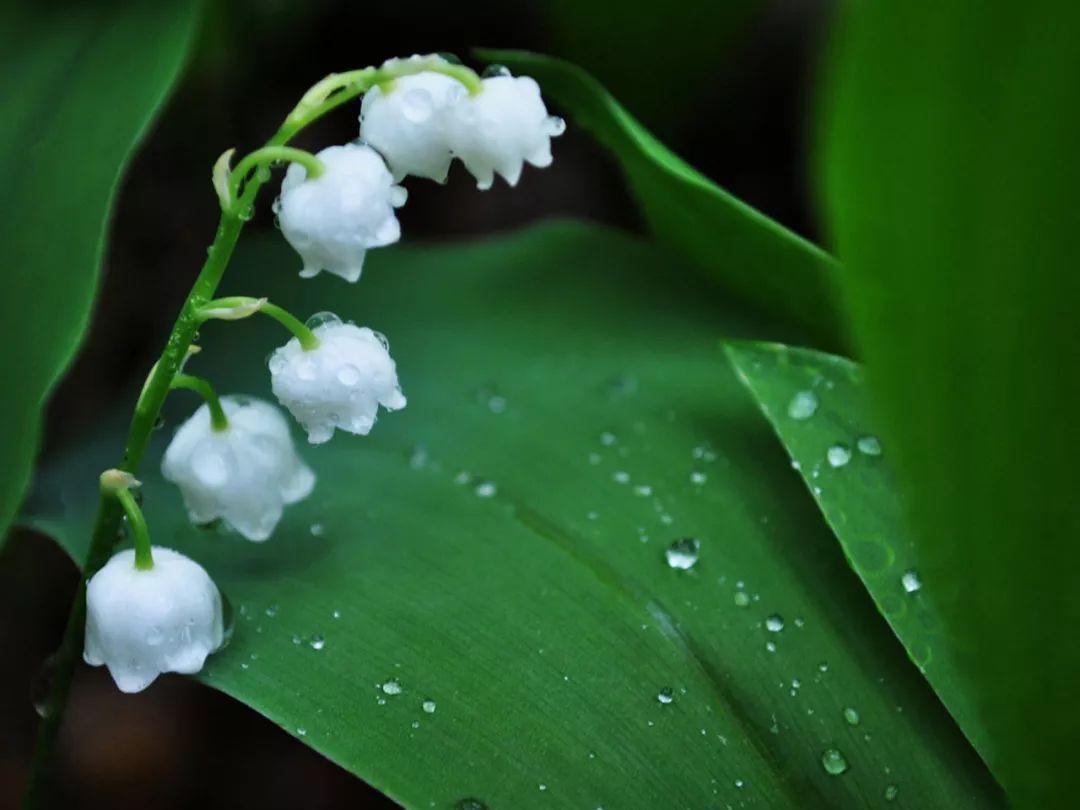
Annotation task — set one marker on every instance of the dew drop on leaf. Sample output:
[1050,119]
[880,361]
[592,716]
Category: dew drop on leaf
[869,445]
[470,804]
[392,687]
[851,716]
[838,455]
[683,553]
[665,696]
[833,761]
[891,792]
[803,405]
[317,642]
[742,598]
[428,706]
[775,623]
[910,580]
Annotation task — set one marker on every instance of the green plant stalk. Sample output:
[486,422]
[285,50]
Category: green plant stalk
[307,338]
[189,382]
[144,555]
[325,96]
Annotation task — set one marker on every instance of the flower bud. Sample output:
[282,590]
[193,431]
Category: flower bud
[333,219]
[408,124]
[339,384]
[243,475]
[141,623]
[501,127]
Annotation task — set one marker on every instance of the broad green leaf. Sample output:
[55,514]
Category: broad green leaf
[754,257]
[79,86]
[819,407]
[499,548]
[952,174]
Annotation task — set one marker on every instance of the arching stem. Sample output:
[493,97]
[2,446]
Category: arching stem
[218,420]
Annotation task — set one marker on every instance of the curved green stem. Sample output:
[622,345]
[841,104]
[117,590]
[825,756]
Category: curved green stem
[189,382]
[144,557]
[307,338]
[274,154]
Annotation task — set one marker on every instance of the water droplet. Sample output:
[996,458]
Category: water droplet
[607,438]
[643,490]
[317,642]
[851,717]
[770,646]
[910,580]
[665,696]
[486,489]
[621,477]
[833,761]
[698,478]
[228,621]
[322,319]
[496,404]
[41,688]
[869,445]
[838,455]
[417,106]
[739,783]
[246,213]
[891,792]
[470,804]
[742,598]
[159,423]
[301,731]
[271,611]
[803,405]
[823,666]
[493,71]
[774,623]
[542,787]
[428,706]
[317,530]
[349,375]
[392,687]
[683,553]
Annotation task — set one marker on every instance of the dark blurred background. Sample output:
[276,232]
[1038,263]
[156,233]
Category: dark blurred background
[728,84]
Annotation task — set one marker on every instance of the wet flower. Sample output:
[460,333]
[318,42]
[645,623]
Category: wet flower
[502,127]
[332,220]
[408,124]
[141,623]
[244,474]
[340,384]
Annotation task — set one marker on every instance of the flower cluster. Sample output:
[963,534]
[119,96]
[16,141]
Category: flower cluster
[152,610]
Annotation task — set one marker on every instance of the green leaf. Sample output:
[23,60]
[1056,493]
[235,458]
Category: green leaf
[482,550]
[754,257]
[952,174]
[79,86]
[819,407]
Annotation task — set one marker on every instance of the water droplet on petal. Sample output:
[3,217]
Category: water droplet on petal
[322,319]
[683,553]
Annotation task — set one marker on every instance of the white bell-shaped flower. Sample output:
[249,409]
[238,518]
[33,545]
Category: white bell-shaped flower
[243,475]
[408,125]
[339,384]
[141,623]
[501,127]
[333,219]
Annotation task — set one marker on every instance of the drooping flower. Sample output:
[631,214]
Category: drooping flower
[141,623]
[408,124]
[340,384]
[502,127]
[333,219]
[244,474]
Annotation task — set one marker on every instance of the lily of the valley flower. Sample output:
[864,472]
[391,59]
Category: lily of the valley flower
[333,219]
[408,124]
[339,384]
[501,127]
[141,623]
[244,474]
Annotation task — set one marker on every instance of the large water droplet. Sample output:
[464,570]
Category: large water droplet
[392,687]
[665,696]
[349,375]
[683,553]
[774,623]
[322,319]
[742,598]
[492,71]
[803,405]
[869,445]
[416,105]
[428,706]
[317,642]
[851,716]
[838,455]
[910,580]
[833,761]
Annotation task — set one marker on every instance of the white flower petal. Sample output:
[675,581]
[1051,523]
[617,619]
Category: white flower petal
[333,219]
[243,475]
[338,385]
[143,623]
[500,128]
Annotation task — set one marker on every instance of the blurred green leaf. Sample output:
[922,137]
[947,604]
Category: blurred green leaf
[79,86]
[819,407]
[499,548]
[753,256]
[952,170]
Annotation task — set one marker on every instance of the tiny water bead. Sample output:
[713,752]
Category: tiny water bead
[428,706]
[742,598]
[317,529]
[851,716]
[911,581]
[665,696]
[470,804]
[833,761]
[838,455]
[683,553]
[869,445]
[620,477]
[486,489]
[891,792]
[803,405]
[774,623]
[698,478]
